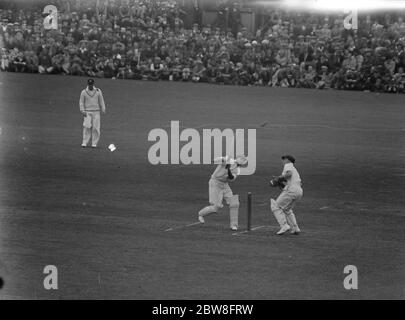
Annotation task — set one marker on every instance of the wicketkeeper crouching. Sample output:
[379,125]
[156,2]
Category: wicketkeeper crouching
[227,170]
[290,183]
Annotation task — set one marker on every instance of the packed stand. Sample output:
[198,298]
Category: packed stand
[149,41]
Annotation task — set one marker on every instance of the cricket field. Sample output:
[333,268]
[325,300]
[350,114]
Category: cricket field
[116,226]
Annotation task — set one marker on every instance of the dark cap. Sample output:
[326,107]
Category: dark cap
[289,158]
[90,81]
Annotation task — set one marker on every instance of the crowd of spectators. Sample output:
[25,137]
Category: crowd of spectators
[148,40]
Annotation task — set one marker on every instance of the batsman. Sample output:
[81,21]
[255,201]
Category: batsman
[290,183]
[227,170]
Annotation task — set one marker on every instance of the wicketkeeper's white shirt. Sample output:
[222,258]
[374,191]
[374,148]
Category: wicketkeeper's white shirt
[295,179]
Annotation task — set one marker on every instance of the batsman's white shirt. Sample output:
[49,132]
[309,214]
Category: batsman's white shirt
[221,173]
[219,189]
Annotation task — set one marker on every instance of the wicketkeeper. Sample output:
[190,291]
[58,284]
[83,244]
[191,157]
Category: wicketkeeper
[290,182]
[227,170]
[91,103]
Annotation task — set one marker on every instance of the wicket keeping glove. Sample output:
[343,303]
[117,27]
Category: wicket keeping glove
[278,182]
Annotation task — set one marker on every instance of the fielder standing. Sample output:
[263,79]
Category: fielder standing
[292,192]
[91,104]
[219,190]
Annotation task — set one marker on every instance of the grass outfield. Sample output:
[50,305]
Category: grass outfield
[101,216]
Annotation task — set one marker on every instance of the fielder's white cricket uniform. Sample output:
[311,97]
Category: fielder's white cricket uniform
[292,192]
[218,186]
[91,103]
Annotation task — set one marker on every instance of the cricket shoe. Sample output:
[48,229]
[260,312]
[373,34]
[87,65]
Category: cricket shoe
[201,219]
[283,229]
[234,228]
[295,231]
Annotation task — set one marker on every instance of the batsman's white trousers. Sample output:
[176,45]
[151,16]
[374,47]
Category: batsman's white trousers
[218,192]
[289,197]
[92,133]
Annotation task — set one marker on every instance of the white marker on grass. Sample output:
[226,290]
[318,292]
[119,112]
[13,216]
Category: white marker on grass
[112,147]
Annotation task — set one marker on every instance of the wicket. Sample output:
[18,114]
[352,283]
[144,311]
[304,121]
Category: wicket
[249,211]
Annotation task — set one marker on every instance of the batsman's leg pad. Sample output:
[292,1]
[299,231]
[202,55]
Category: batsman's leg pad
[234,211]
[278,213]
[273,205]
[207,210]
[289,221]
[290,216]
[216,194]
